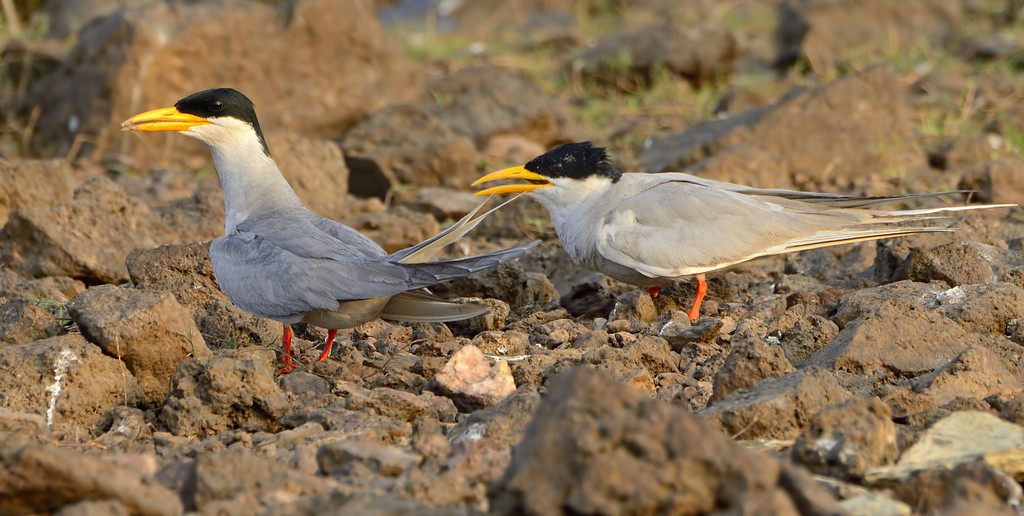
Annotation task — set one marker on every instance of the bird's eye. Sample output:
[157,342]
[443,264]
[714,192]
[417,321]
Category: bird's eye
[216,106]
[557,165]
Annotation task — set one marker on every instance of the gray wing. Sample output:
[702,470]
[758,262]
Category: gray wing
[282,266]
[265,278]
[309,235]
[671,228]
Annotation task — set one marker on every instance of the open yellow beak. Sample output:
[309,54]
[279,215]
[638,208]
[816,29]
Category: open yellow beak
[535,181]
[166,119]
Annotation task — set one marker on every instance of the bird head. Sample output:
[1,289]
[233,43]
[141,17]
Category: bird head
[220,117]
[566,167]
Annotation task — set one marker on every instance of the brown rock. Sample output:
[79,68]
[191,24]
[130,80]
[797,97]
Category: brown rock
[345,458]
[249,45]
[749,362]
[776,408]
[315,169]
[65,378]
[958,263]
[46,477]
[983,308]
[394,229]
[34,183]
[472,382]
[74,238]
[502,424]
[492,320]
[238,481]
[635,304]
[405,144]
[891,339]
[824,31]
[212,395]
[23,321]
[807,335]
[147,330]
[523,291]
[557,333]
[847,439]
[998,182]
[480,102]
[56,289]
[973,485]
[701,54]
[597,446]
[977,372]
[816,139]
[186,272]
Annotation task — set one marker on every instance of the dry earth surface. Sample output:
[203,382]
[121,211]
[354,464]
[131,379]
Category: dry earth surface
[879,378]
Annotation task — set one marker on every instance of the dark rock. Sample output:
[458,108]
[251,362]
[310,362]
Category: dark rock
[212,395]
[405,144]
[776,408]
[845,440]
[749,362]
[597,446]
[589,299]
[522,290]
[701,54]
[65,378]
[480,102]
[23,321]
[677,150]
[149,331]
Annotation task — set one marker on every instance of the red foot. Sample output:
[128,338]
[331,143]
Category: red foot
[653,292]
[286,339]
[702,288]
[327,345]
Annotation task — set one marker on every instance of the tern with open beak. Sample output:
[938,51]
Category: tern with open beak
[281,261]
[651,230]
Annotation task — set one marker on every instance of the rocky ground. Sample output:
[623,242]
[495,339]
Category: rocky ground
[880,378]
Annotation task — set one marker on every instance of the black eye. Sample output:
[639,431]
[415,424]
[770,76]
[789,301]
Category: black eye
[557,165]
[216,106]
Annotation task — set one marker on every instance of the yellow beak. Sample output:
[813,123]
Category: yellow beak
[536,181]
[166,119]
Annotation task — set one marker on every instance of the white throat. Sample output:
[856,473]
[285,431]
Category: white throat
[251,181]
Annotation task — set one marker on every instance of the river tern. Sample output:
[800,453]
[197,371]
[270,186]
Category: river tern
[280,261]
[651,230]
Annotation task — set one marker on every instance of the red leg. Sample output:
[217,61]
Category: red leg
[653,292]
[327,345]
[286,339]
[702,288]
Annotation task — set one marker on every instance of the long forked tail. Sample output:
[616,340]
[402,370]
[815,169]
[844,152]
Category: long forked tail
[428,249]
[422,306]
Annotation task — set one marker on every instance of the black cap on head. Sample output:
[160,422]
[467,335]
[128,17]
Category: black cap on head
[223,102]
[575,161]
